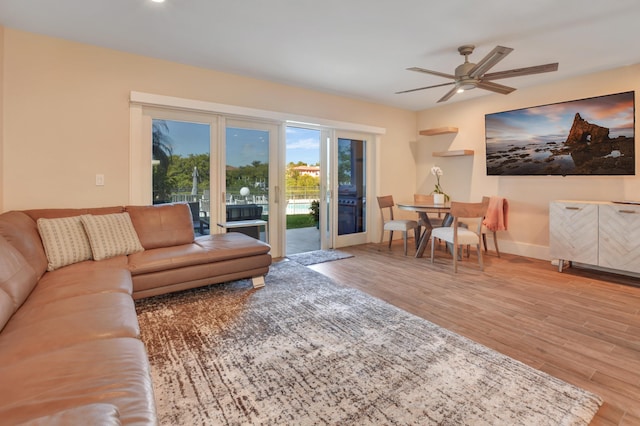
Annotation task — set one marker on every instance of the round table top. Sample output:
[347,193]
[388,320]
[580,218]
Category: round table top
[411,205]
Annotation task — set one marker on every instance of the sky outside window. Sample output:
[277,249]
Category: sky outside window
[243,148]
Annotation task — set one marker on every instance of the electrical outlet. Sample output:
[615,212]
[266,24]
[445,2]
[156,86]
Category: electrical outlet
[99,180]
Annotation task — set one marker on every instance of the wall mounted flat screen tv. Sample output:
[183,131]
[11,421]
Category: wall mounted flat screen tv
[593,136]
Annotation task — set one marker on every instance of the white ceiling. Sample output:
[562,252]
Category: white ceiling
[354,48]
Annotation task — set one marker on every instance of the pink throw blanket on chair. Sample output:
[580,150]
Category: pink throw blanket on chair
[497,214]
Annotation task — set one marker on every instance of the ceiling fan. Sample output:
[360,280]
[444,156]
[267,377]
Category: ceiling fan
[469,75]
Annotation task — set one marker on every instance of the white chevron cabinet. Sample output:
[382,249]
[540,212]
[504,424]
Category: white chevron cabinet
[573,232]
[603,234]
[619,240]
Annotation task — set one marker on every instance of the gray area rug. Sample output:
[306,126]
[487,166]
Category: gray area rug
[304,350]
[318,256]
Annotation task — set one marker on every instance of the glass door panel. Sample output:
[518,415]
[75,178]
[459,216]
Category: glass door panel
[180,167]
[351,191]
[247,154]
[302,190]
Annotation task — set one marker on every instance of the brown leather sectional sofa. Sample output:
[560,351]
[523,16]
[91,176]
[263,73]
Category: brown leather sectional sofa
[69,339]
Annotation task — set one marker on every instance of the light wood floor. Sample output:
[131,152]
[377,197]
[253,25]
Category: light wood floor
[581,326]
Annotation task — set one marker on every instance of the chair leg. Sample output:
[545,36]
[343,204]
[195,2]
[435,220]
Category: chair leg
[484,242]
[455,258]
[495,241]
[433,242]
[390,238]
[405,233]
[480,257]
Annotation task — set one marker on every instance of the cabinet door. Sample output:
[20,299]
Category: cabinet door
[620,237]
[573,232]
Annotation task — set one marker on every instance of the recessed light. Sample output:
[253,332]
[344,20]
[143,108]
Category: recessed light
[158,1]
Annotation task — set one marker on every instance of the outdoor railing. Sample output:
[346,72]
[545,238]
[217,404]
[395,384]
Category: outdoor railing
[298,199]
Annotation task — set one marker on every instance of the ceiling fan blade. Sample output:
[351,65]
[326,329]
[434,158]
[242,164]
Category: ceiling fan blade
[517,72]
[422,88]
[441,74]
[495,87]
[449,94]
[495,56]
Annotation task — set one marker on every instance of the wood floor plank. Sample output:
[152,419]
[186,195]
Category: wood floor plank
[581,325]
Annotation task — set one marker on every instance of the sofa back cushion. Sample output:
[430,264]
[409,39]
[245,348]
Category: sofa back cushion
[17,279]
[36,214]
[162,225]
[21,232]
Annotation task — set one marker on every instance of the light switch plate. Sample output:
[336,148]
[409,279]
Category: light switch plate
[99,180]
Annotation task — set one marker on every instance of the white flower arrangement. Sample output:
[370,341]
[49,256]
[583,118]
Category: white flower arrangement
[437,172]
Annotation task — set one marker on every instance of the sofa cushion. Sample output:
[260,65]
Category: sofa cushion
[21,231]
[17,280]
[90,414]
[163,225]
[67,322]
[206,249]
[108,276]
[65,241]
[111,235]
[113,371]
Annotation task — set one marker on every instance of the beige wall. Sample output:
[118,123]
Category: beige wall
[465,177]
[66,118]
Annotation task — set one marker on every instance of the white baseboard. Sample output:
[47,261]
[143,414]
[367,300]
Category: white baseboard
[520,249]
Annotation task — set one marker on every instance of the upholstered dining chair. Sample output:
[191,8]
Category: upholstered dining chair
[390,224]
[460,236]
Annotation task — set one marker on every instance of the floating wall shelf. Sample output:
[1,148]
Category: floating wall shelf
[444,131]
[453,153]
[438,131]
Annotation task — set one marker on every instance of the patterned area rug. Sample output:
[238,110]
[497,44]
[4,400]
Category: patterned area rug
[304,350]
[318,256]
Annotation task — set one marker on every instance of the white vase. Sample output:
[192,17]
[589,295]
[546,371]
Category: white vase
[438,198]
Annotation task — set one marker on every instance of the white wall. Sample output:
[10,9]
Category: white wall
[465,178]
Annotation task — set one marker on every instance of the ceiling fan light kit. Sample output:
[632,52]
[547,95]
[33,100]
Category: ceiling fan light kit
[468,75]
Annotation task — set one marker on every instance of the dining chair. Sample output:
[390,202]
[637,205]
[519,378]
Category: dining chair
[460,236]
[436,221]
[496,219]
[390,224]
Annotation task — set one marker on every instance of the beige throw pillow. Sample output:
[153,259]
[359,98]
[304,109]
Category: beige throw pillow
[111,235]
[64,241]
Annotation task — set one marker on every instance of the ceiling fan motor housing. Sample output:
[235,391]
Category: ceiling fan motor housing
[463,81]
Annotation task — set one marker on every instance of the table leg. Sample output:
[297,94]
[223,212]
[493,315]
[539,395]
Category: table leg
[425,235]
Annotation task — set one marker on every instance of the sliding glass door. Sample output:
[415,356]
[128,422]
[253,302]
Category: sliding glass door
[181,162]
[351,185]
[219,164]
[250,176]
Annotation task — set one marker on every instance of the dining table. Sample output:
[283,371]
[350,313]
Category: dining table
[422,209]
